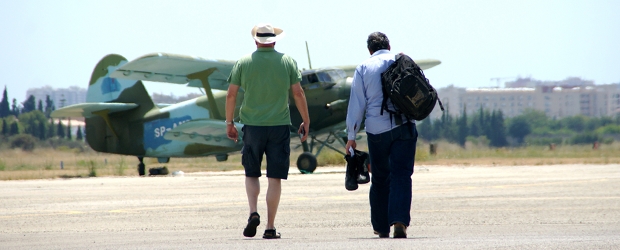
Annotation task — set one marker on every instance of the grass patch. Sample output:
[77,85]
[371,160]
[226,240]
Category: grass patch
[451,154]
[329,157]
[16,164]
[92,169]
[121,167]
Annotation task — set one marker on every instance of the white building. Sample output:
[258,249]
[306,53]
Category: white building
[556,99]
[62,97]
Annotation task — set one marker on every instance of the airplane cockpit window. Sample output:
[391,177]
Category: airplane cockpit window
[304,80]
[312,78]
[337,74]
[324,77]
[309,79]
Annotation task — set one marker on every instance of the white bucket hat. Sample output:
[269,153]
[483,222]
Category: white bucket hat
[265,33]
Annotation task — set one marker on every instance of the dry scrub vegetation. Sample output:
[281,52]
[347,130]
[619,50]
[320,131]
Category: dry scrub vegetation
[42,163]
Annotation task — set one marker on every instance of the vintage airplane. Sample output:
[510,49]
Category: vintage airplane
[121,118]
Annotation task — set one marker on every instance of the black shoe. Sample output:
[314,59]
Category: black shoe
[350,179]
[253,222]
[364,175]
[400,230]
[271,234]
[382,235]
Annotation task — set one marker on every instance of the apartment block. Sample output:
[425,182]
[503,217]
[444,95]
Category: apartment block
[557,99]
[62,97]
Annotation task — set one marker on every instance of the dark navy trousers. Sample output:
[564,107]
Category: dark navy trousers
[392,155]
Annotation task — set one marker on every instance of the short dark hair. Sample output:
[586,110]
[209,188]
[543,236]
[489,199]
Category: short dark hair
[377,41]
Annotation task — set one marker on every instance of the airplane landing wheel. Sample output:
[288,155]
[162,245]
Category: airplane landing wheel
[306,163]
[141,167]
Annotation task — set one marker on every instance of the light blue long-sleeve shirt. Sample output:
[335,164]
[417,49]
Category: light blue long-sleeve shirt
[367,96]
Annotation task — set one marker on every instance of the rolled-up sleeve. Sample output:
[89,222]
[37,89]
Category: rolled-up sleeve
[357,104]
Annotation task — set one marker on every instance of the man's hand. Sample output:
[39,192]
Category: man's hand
[231,98]
[231,132]
[303,131]
[302,107]
[350,144]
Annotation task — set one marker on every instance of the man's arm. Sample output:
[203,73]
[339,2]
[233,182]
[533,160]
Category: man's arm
[302,106]
[231,103]
[355,110]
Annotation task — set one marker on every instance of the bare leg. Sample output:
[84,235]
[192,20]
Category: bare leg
[273,200]
[252,188]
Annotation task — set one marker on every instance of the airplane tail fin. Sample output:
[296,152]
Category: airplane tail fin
[116,130]
[103,88]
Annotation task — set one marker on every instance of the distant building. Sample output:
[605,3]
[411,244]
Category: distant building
[570,97]
[62,97]
[533,83]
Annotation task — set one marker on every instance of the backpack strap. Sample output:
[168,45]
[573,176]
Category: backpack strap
[385,97]
[440,104]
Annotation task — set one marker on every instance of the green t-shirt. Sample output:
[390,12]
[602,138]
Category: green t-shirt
[266,77]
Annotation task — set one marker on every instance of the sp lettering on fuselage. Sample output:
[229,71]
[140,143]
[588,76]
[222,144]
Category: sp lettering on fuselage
[154,131]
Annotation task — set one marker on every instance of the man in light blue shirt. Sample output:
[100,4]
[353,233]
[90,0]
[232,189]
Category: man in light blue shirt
[391,142]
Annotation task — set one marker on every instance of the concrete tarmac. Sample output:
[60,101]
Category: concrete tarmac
[473,207]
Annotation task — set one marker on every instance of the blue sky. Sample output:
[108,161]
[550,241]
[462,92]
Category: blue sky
[58,43]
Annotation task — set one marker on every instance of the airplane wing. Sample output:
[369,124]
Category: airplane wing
[172,68]
[204,131]
[88,110]
[423,63]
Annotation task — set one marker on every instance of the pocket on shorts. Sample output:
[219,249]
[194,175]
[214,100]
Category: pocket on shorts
[246,156]
[282,156]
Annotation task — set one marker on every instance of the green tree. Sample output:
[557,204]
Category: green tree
[478,123]
[49,106]
[497,135]
[436,131]
[40,106]
[474,128]
[79,135]
[29,105]
[462,128]
[575,123]
[14,129]
[14,108]
[30,122]
[25,142]
[5,128]
[4,105]
[51,129]
[519,128]
[69,136]
[448,128]
[425,130]
[61,130]
[482,120]
[535,118]
[584,138]
[42,129]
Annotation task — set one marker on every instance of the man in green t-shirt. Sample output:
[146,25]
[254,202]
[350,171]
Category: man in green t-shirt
[266,77]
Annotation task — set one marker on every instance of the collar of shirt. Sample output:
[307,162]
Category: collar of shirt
[380,52]
[265,49]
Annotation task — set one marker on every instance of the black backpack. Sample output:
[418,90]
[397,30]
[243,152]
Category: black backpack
[409,90]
